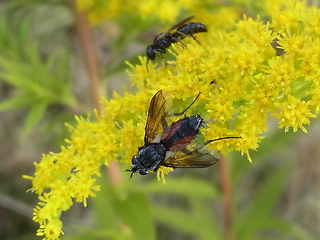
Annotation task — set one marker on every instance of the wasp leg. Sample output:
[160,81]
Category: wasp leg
[179,40]
[193,37]
[183,35]
[162,59]
[158,52]
[180,113]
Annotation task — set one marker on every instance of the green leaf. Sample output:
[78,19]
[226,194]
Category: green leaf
[34,116]
[135,211]
[186,222]
[16,102]
[84,233]
[106,216]
[188,187]
[34,78]
[288,228]
[259,212]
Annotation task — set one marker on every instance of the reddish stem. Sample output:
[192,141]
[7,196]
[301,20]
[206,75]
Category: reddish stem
[91,63]
[227,203]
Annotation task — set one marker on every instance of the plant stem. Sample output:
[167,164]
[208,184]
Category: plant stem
[89,54]
[92,66]
[227,203]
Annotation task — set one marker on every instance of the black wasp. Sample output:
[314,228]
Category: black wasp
[164,40]
[170,145]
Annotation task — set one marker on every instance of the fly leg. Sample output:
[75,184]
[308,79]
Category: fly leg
[217,139]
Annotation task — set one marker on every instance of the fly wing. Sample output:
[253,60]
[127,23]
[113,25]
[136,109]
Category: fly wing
[190,158]
[179,24]
[158,111]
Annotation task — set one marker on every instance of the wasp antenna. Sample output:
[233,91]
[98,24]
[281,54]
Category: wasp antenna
[217,139]
[178,114]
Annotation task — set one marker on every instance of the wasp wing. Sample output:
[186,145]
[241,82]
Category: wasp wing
[160,104]
[179,24]
[190,158]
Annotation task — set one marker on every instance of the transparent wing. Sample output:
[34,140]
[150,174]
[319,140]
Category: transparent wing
[179,24]
[160,104]
[189,157]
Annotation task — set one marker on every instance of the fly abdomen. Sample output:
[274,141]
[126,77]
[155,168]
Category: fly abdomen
[182,132]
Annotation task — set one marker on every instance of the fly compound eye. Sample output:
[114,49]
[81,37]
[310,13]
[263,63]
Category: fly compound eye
[134,160]
[143,172]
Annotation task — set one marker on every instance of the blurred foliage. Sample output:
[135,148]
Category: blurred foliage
[37,82]
[38,78]
[183,207]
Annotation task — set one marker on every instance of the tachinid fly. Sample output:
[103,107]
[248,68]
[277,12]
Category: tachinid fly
[164,40]
[171,145]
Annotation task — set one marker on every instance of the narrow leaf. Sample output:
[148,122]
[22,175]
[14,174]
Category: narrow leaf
[34,116]
[186,222]
[135,211]
[189,187]
[16,102]
[260,210]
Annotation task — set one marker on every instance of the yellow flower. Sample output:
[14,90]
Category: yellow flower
[314,103]
[293,113]
[241,80]
[50,230]
[162,171]
[282,73]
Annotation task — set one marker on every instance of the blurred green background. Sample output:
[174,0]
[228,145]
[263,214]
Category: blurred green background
[44,83]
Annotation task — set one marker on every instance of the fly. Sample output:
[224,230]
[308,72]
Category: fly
[171,146]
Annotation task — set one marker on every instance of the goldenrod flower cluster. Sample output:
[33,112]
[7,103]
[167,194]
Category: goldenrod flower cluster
[243,74]
[163,10]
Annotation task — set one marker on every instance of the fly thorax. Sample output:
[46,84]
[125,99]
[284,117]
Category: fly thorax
[196,121]
[150,157]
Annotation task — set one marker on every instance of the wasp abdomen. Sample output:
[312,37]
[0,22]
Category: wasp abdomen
[189,29]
